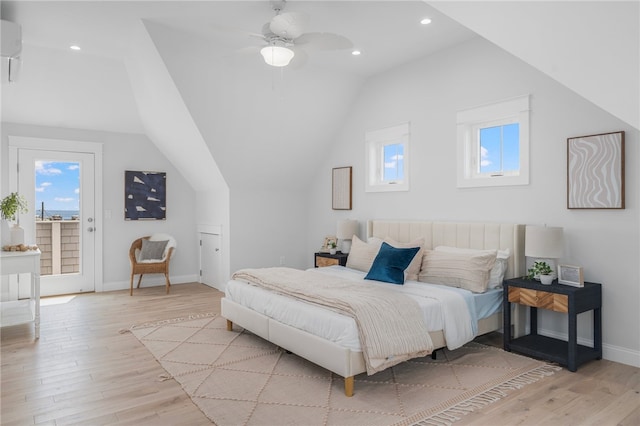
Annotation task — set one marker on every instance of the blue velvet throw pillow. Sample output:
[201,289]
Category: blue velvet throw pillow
[390,263]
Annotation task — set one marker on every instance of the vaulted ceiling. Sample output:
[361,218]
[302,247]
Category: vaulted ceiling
[277,122]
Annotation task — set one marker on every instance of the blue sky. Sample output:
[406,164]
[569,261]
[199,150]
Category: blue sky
[58,185]
[490,137]
[393,162]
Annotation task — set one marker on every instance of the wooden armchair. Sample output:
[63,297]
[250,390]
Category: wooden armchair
[160,266]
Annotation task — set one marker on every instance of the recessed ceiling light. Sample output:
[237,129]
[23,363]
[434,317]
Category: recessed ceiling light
[356,52]
[425,21]
[74,47]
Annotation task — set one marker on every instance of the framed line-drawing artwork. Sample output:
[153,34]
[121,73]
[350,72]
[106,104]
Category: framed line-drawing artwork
[595,171]
[341,188]
[145,195]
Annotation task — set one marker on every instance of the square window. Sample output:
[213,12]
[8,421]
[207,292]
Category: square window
[387,159]
[493,144]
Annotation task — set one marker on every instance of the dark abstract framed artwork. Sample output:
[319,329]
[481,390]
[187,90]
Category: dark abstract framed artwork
[145,195]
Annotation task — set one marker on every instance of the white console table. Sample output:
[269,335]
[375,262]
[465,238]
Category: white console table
[22,311]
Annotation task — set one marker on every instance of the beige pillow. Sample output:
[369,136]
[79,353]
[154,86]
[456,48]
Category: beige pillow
[468,271]
[362,255]
[496,275]
[411,273]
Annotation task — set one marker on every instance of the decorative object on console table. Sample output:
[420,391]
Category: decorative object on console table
[544,243]
[570,275]
[11,207]
[595,171]
[559,298]
[347,228]
[326,259]
[341,188]
[145,195]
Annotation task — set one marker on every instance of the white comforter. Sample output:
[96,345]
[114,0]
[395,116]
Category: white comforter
[389,323]
[458,325]
[444,308]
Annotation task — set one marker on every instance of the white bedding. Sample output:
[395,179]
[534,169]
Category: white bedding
[458,319]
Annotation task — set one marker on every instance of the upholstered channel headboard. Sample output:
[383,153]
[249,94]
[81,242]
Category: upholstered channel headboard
[458,234]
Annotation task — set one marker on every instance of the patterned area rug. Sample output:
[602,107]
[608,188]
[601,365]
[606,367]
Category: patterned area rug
[237,378]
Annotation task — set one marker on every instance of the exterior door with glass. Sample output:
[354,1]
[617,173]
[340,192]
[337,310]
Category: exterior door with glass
[60,189]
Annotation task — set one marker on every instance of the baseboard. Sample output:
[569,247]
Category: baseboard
[154,280]
[609,352]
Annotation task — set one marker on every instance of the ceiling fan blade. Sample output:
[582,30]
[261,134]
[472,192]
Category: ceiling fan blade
[289,25]
[324,41]
[299,59]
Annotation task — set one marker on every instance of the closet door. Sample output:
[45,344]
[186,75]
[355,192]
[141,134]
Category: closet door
[210,256]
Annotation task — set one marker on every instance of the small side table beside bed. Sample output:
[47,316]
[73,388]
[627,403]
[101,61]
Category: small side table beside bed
[559,298]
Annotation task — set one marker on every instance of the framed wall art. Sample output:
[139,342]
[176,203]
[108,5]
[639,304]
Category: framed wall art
[595,171]
[145,195]
[341,188]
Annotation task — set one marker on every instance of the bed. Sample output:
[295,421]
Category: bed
[332,345]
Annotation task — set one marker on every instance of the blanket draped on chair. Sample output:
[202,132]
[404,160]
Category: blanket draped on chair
[390,325]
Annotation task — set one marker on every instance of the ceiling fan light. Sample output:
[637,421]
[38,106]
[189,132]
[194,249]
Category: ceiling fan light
[277,56]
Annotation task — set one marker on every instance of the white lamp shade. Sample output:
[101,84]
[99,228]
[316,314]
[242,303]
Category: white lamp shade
[347,228]
[277,56]
[543,242]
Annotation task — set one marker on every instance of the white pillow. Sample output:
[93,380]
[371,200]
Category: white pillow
[468,271]
[496,275]
[362,255]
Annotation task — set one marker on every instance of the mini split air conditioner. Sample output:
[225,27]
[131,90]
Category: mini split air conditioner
[11,47]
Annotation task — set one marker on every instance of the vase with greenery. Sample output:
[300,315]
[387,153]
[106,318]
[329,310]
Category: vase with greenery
[542,271]
[332,247]
[10,206]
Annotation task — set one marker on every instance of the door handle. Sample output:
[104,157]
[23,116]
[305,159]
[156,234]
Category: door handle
[90,229]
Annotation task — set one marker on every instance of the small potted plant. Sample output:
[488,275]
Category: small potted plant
[542,271]
[13,204]
[10,206]
[332,247]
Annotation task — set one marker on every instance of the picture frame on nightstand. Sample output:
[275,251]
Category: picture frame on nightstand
[327,240]
[570,275]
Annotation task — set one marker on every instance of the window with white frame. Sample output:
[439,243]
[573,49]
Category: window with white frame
[493,144]
[387,159]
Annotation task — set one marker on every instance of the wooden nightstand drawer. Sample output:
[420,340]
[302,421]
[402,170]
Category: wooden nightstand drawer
[326,261]
[539,299]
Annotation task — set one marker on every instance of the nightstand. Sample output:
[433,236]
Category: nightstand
[559,298]
[328,259]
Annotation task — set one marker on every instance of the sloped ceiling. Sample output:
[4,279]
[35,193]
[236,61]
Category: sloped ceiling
[591,47]
[267,127]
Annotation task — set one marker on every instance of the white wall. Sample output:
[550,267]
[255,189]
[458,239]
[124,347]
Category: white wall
[122,151]
[267,226]
[428,93]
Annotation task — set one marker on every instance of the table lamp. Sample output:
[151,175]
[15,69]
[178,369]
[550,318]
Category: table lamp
[347,228]
[545,244]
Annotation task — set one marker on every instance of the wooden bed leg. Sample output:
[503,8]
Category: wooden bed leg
[348,386]
[229,325]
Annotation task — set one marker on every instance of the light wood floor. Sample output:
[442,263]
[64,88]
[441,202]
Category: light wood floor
[84,371]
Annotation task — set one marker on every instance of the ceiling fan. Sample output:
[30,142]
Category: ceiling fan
[285,34]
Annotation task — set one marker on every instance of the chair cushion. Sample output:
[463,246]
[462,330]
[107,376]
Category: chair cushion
[152,250]
[163,237]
